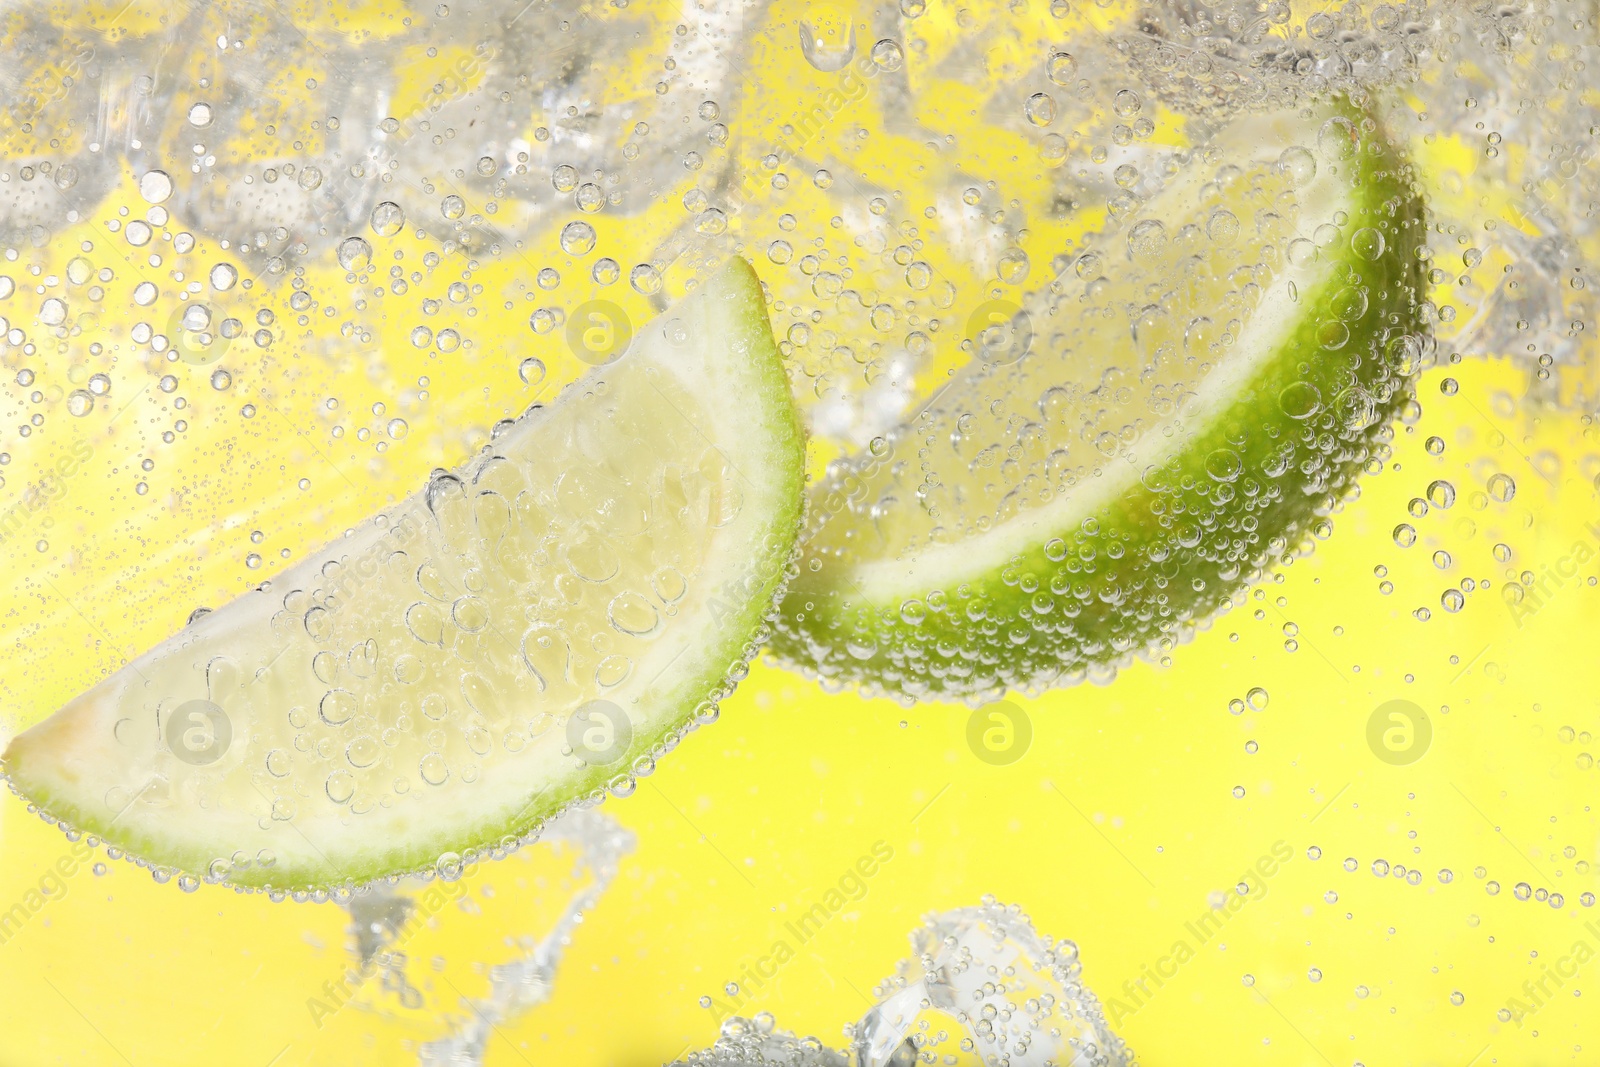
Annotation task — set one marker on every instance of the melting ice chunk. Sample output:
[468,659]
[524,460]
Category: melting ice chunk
[384,919]
[758,1042]
[1018,995]
[982,973]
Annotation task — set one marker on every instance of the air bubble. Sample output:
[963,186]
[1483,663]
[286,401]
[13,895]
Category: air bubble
[1148,239]
[886,54]
[1012,267]
[1062,68]
[433,769]
[1222,227]
[1298,164]
[155,186]
[387,219]
[1337,139]
[577,238]
[355,254]
[645,279]
[1367,243]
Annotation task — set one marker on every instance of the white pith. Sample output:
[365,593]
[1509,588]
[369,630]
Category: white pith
[884,580]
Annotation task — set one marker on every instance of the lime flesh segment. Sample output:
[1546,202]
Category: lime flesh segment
[1200,388]
[535,625]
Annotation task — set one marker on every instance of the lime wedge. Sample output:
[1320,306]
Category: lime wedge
[1170,416]
[532,628]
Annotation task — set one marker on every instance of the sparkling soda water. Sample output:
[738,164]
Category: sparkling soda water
[266,265]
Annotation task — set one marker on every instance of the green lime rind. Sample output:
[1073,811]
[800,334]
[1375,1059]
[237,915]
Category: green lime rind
[1144,570]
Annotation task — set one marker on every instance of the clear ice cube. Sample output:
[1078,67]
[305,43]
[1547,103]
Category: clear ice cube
[1018,995]
[981,973]
[758,1042]
[452,1028]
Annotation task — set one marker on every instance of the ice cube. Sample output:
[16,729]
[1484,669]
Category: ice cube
[1019,996]
[398,982]
[982,973]
[758,1042]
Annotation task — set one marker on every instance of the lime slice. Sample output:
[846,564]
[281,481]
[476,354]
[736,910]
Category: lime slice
[538,625]
[1173,414]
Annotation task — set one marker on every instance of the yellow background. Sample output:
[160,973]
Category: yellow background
[1114,829]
